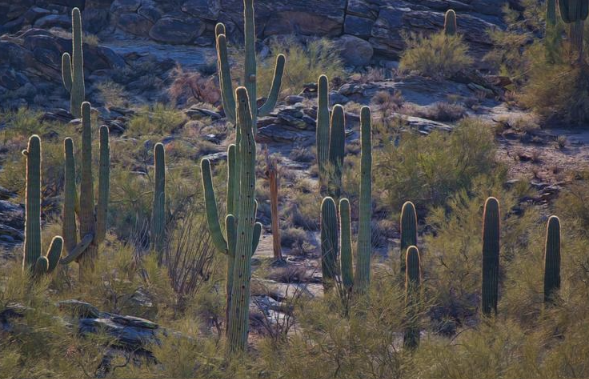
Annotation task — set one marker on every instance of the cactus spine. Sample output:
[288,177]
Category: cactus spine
[364,248]
[346,245]
[491,247]
[33,260]
[250,77]
[322,129]
[450,26]
[329,243]
[158,213]
[337,141]
[92,219]
[408,230]
[552,259]
[72,68]
[412,297]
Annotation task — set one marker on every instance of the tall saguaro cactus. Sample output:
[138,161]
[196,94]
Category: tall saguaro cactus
[158,212]
[329,243]
[491,247]
[574,13]
[412,297]
[72,67]
[322,129]
[250,75]
[552,259]
[92,217]
[364,247]
[450,26]
[33,259]
[408,230]
[337,142]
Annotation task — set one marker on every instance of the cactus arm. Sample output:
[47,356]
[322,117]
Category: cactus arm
[346,245]
[270,103]
[257,235]
[78,250]
[231,228]
[337,141]
[239,309]
[552,259]
[364,247]
[225,78]
[250,66]
[54,253]
[66,71]
[412,297]
[103,185]
[231,179]
[158,214]
[551,12]
[69,228]
[32,246]
[408,230]
[211,208]
[77,92]
[322,128]
[491,249]
[328,242]
[41,266]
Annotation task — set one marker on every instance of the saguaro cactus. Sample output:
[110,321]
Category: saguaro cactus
[450,26]
[491,247]
[329,243]
[551,12]
[33,260]
[552,259]
[72,68]
[272,176]
[346,245]
[322,129]
[337,142]
[364,247]
[574,13]
[250,75]
[92,219]
[408,230]
[412,297]
[158,212]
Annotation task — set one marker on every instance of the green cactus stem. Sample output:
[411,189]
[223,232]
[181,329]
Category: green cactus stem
[69,227]
[33,260]
[552,259]
[323,129]
[158,213]
[103,184]
[412,297]
[364,247]
[574,13]
[72,67]
[346,246]
[337,141]
[491,248]
[250,75]
[450,26]
[329,243]
[408,230]
[551,12]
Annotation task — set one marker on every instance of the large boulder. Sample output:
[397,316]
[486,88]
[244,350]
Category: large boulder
[354,50]
[206,9]
[176,29]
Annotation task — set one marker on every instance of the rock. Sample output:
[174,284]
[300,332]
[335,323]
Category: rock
[354,51]
[121,6]
[134,23]
[424,125]
[54,20]
[358,26]
[176,30]
[293,99]
[196,113]
[207,9]
[34,13]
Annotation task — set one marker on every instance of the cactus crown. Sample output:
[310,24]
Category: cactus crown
[450,26]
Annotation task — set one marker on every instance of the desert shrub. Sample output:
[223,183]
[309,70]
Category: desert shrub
[436,56]
[191,87]
[157,119]
[442,111]
[426,170]
[112,94]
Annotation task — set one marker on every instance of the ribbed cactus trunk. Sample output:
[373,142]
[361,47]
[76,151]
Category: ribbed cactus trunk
[574,13]
[329,243]
[450,26]
[552,260]
[158,212]
[337,141]
[103,184]
[408,231]
[239,309]
[364,248]
[412,297]
[491,248]
[322,131]
[551,12]
[272,176]
[347,273]
[33,260]
[69,227]
[250,74]
[72,67]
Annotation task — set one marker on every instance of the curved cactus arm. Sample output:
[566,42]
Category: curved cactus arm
[54,253]
[346,245]
[257,235]
[103,185]
[66,71]
[225,78]
[211,208]
[337,142]
[270,103]
[78,250]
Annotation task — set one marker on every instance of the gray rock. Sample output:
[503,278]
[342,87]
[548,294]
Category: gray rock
[355,51]
[176,30]
[206,9]
[54,20]
[134,23]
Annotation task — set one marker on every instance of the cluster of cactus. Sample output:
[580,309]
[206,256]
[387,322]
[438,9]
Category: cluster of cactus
[250,66]
[331,139]
[412,297]
[242,232]
[72,67]
[158,212]
[33,260]
[450,26]
[92,217]
[329,226]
